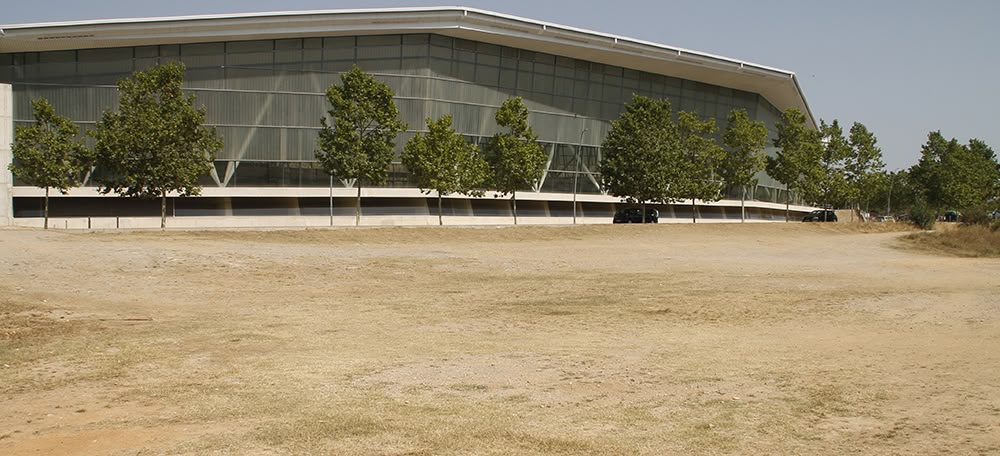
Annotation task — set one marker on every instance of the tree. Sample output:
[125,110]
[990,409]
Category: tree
[797,160]
[49,153]
[951,175]
[746,140]
[971,176]
[985,178]
[864,167]
[442,161]
[365,123]
[156,142]
[640,153]
[701,155]
[895,192]
[831,181]
[927,176]
[518,161]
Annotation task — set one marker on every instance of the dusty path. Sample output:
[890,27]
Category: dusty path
[707,339]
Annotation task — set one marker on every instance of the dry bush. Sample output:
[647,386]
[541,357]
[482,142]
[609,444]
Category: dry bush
[976,241]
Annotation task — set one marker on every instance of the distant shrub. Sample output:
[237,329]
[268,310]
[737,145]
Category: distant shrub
[978,215]
[923,216]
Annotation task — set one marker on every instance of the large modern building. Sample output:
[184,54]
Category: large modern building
[262,78]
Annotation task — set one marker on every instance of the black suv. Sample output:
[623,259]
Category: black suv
[820,216]
[634,215]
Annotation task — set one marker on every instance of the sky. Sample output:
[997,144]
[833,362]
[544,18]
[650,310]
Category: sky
[902,68]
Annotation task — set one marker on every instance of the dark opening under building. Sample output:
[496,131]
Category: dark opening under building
[262,78]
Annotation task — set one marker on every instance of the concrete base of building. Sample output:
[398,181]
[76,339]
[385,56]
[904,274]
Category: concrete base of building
[310,222]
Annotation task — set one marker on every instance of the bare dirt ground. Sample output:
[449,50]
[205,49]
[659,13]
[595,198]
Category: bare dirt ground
[671,339]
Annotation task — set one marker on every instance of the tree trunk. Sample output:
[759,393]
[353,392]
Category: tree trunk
[357,206]
[440,221]
[788,202]
[642,207]
[743,208]
[694,211]
[513,202]
[163,210]
[46,208]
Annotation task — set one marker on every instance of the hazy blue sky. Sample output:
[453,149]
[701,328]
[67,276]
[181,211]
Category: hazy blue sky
[903,68]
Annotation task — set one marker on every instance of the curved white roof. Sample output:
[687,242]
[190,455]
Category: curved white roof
[780,87]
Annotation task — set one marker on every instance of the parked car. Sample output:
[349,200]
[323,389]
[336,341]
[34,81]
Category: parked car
[634,215]
[820,216]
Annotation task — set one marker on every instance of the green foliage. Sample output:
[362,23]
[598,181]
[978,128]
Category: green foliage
[516,157]
[745,140]
[797,161]
[442,161]
[49,153]
[155,143]
[700,156]
[864,168]
[895,194]
[950,175]
[830,187]
[923,215]
[365,123]
[641,151]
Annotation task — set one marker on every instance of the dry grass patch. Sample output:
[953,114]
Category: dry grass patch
[970,241]
[672,339]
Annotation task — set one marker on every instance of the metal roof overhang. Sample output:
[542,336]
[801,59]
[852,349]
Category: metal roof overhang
[779,87]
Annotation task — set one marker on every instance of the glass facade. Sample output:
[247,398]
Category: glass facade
[266,97]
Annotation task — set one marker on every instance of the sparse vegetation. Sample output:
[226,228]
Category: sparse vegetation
[710,339]
[979,241]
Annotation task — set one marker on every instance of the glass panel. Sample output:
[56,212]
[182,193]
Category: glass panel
[465,56]
[416,39]
[338,53]
[237,47]
[379,40]
[378,66]
[105,61]
[202,49]
[542,84]
[380,52]
[508,79]
[491,60]
[440,52]
[465,44]
[284,45]
[487,75]
[443,41]
[415,51]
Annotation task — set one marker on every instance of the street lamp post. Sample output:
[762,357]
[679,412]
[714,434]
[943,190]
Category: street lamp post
[576,170]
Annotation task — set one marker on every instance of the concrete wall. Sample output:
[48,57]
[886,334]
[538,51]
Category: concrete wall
[313,222]
[6,138]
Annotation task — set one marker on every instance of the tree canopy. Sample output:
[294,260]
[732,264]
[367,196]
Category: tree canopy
[515,156]
[700,157]
[156,142]
[864,168]
[797,161]
[745,140]
[365,121]
[640,152]
[950,175]
[50,152]
[442,161]
[830,188]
